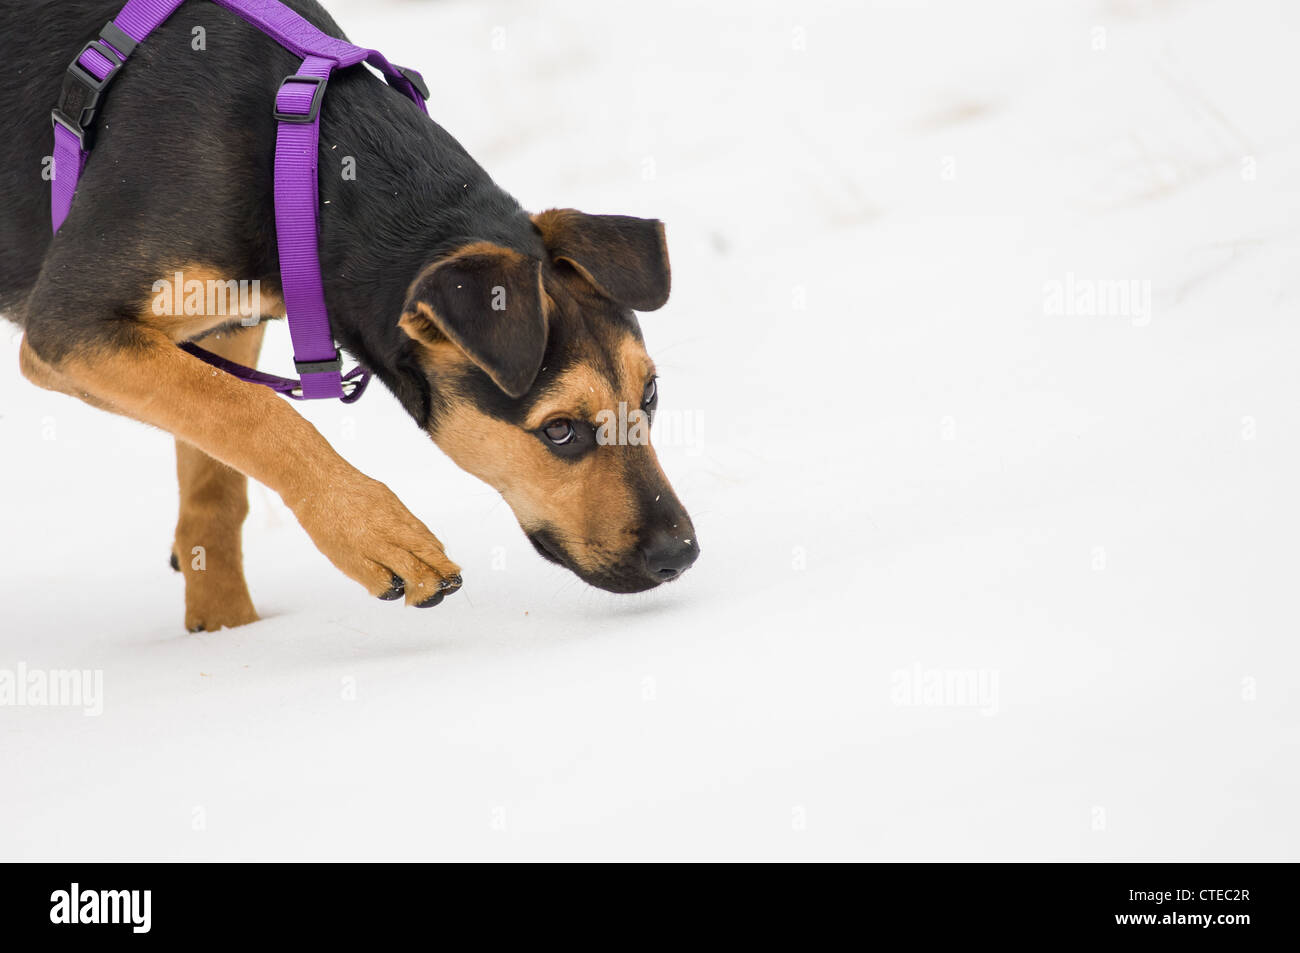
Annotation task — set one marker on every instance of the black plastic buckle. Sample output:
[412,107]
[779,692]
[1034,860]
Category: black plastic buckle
[116,37]
[314,112]
[81,93]
[417,80]
[319,367]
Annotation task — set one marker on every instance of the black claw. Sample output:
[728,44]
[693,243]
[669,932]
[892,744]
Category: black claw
[445,588]
[396,590]
[176,563]
[198,628]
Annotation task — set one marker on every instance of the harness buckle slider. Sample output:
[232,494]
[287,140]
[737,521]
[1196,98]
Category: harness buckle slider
[117,38]
[416,79]
[319,367]
[313,112]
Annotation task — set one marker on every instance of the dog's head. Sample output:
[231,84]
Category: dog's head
[543,389]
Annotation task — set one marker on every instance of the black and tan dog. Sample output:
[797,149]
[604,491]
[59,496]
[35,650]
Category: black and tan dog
[413,250]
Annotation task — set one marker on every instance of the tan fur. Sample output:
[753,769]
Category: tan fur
[214,503]
[635,367]
[357,522]
[47,376]
[227,430]
[588,503]
[581,393]
[421,324]
[182,327]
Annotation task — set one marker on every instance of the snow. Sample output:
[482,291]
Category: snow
[905,473]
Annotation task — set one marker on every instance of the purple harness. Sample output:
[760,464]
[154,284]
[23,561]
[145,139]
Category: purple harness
[297,109]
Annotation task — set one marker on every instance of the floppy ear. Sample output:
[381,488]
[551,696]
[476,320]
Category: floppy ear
[487,300]
[625,258]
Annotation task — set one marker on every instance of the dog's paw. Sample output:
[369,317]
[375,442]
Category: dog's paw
[216,595]
[209,605]
[224,617]
[370,536]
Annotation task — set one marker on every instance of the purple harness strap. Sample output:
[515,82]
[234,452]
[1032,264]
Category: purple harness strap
[297,110]
[281,385]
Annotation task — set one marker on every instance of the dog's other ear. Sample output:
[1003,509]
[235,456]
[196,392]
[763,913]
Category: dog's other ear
[486,300]
[625,258]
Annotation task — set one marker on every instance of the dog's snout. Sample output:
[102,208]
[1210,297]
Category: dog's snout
[668,555]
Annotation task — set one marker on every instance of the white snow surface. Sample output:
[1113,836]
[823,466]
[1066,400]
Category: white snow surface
[902,467]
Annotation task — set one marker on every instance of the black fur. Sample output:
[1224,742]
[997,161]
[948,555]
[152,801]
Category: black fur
[182,172]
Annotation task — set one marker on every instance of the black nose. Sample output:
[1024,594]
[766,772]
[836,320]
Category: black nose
[668,556]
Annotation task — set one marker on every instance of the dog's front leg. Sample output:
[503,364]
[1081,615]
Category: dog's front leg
[357,522]
[208,548]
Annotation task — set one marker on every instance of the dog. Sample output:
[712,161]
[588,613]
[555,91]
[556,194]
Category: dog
[419,250]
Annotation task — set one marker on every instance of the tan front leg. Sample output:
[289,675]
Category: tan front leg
[357,522]
[214,502]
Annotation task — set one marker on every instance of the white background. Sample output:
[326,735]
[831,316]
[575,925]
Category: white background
[898,462]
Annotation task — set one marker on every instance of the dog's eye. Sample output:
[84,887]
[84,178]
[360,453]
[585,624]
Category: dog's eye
[651,392]
[568,439]
[560,432]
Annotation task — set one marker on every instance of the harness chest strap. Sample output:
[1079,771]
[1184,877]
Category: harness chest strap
[297,111]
